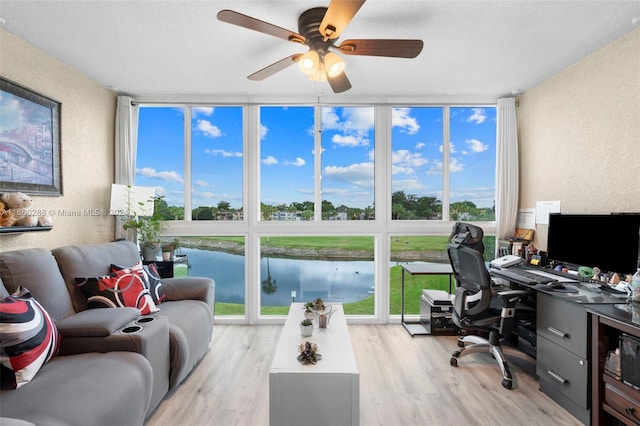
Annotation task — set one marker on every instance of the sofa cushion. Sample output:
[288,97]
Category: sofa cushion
[92,260]
[89,389]
[119,289]
[150,276]
[28,336]
[17,268]
[190,333]
[96,322]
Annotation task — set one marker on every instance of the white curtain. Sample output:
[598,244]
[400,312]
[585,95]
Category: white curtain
[126,141]
[507,182]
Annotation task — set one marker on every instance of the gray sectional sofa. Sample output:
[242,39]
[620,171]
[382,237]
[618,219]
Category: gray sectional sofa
[114,366]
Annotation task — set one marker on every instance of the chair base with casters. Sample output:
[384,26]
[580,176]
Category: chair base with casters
[499,325]
[472,344]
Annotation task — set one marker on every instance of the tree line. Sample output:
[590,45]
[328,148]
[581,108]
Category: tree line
[403,207]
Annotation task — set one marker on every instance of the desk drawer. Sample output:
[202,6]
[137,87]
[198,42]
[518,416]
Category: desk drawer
[623,404]
[563,323]
[561,371]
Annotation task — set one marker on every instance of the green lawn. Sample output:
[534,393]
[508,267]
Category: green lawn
[356,243]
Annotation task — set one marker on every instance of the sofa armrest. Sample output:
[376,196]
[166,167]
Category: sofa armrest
[194,288]
[96,322]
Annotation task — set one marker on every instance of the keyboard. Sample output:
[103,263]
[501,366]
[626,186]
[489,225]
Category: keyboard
[521,276]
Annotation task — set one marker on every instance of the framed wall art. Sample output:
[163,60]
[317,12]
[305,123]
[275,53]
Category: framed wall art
[29,141]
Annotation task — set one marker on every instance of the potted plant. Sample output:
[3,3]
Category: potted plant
[308,310]
[148,230]
[167,252]
[306,327]
[318,304]
[169,249]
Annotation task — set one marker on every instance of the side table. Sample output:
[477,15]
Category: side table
[417,328]
[165,267]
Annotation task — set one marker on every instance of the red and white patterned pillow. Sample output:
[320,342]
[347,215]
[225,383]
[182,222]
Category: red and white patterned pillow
[118,289]
[151,277]
[28,336]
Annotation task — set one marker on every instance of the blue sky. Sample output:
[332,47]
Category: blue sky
[287,154]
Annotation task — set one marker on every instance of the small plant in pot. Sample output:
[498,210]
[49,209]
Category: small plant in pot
[318,305]
[308,310]
[148,230]
[306,327]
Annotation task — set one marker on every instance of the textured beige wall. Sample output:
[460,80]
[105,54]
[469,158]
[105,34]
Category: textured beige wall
[579,135]
[87,134]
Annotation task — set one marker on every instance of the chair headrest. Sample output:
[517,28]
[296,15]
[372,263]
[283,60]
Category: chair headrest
[467,235]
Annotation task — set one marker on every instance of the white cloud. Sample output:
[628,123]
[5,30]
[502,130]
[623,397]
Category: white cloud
[270,160]
[407,184]
[476,146]
[202,184]
[478,116]
[298,163]
[223,153]
[436,169]
[420,145]
[197,111]
[452,148]
[353,119]
[210,130]
[400,118]
[360,174]
[263,131]
[350,140]
[169,176]
[330,119]
[206,194]
[454,167]
[405,158]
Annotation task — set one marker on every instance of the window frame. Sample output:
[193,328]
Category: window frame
[382,228]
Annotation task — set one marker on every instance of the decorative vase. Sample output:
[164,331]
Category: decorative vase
[306,330]
[166,255]
[323,316]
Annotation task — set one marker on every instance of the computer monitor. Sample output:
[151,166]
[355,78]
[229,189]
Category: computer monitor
[609,241]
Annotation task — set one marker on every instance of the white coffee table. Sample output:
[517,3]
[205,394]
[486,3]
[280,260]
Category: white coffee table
[324,394]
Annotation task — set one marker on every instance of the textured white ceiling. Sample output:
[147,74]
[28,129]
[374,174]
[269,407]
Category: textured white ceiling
[473,50]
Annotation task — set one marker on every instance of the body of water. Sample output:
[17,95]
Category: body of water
[334,281]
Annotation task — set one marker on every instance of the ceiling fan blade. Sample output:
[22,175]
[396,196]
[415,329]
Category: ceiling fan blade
[338,15]
[339,83]
[235,18]
[269,70]
[382,47]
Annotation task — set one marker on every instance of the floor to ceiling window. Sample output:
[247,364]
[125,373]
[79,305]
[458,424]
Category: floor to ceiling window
[286,202]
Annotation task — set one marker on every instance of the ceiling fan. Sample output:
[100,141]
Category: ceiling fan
[319,28]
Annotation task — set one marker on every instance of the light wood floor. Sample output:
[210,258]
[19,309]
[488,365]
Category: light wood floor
[403,381]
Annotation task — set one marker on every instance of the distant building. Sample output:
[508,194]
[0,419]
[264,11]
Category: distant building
[286,216]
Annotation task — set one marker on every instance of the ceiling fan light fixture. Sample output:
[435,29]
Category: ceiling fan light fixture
[309,63]
[333,64]
[320,75]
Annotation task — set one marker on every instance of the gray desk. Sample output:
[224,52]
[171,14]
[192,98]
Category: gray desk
[563,359]
[416,328]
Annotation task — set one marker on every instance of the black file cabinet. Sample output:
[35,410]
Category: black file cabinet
[563,354]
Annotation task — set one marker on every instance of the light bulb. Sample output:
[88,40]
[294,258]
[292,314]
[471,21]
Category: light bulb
[309,62]
[333,64]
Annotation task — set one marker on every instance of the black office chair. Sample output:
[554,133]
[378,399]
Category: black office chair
[474,306]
